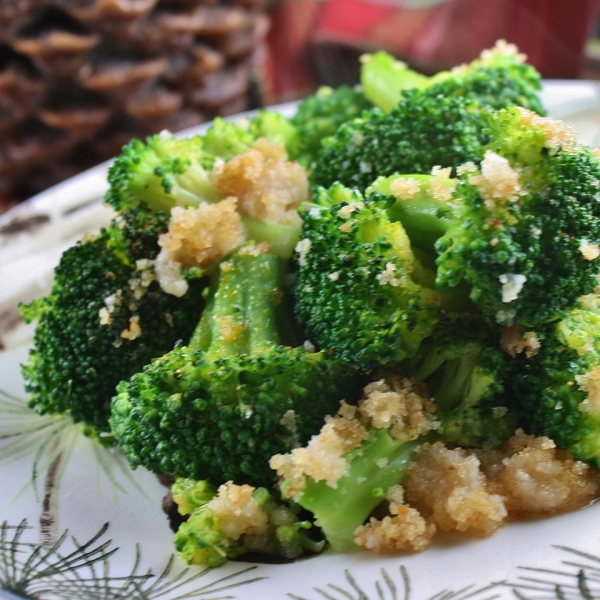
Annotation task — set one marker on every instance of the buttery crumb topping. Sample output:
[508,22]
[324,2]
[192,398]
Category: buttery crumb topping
[267,185]
[405,188]
[202,235]
[514,342]
[559,135]
[497,181]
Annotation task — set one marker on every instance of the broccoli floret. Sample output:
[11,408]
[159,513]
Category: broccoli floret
[500,77]
[384,79]
[345,472]
[161,172]
[218,408]
[104,319]
[360,290]
[165,172]
[226,139]
[319,116]
[558,387]
[424,130]
[237,520]
[520,226]
[466,374]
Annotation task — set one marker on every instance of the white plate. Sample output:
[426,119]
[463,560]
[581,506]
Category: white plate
[54,480]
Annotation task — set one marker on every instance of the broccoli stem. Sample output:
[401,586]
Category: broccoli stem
[425,219]
[240,318]
[380,463]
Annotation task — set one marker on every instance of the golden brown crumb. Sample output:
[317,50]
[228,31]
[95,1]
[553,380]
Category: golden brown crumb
[237,511]
[503,48]
[442,186]
[267,186]
[404,529]
[134,331]
[559,135]
[405,188]
[497,181]
[588,250]
[202,235]
[590,383]
[537,479]
[395,403]
[449,486]
[513,342]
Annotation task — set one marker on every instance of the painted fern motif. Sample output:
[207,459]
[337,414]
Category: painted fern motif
[68,569]
[396,587]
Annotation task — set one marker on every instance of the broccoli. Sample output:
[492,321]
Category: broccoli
[500,77]
[346,471]
[439,121]
[467,378]
[319,116]
[237,520]
[104,319]
[558,385]
[423,131]
[218,408]
[520,226]
[361,291]
[226,139]
[165,172]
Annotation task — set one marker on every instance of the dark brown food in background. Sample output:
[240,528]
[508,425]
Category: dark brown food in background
[79,78]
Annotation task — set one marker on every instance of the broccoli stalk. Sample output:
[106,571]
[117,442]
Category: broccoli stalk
[218,408]
[378,464]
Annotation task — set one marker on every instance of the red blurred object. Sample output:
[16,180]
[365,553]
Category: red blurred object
[430,35]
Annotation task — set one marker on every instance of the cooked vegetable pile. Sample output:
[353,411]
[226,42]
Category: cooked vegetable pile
[375,320]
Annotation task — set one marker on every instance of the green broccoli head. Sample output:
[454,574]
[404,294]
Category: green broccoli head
[360,290]
[500,77]
[226,139]
[238,520]
[218,408]
[425,130]
[320,115]
[161,172]
[525,227]
[104,319]
[558,387]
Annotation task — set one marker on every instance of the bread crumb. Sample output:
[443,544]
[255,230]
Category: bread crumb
[404,529]
[202,235]
[134,330]
[237,512]
[405,188]
[497,181]
[503,48]
[513,342]
[590,384]
[559,135]
[588,250]
[169,274]
[302,248]
[449,486]
[536,478]
[442,186]
[268,186]
[512,284]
